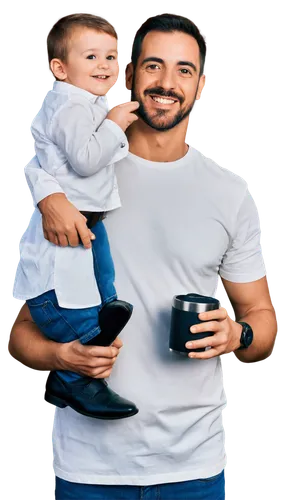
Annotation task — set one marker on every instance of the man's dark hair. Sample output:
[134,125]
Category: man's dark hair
[168,23]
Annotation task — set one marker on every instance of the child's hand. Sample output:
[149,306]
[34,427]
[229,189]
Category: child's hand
[124,114]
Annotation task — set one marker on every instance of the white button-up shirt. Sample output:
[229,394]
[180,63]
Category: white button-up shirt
[77,146]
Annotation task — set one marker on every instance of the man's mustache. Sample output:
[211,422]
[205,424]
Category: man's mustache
[164,93]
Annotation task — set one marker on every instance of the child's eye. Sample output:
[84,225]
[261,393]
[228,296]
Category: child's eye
[91,56]
[110,58]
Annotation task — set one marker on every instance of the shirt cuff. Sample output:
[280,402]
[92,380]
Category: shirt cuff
[117,131]
[40,191]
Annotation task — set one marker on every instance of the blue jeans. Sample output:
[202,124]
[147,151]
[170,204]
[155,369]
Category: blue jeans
[64,325]
[198,489]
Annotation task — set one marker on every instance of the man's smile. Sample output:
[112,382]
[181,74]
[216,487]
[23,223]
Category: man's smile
[160,101]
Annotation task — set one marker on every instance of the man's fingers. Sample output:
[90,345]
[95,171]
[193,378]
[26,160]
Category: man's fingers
[84,233]
[99,362]
[63,240]
[202,343]
[217,314]
[209,326]
[102,352]
[95,351]
[117,343]
[73,238]
[102,368]
[92,235]
[210,353]
[102,374]
[52,237]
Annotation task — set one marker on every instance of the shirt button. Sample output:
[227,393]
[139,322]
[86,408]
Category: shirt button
[122,145]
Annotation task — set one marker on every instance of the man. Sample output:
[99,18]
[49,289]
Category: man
[183,221]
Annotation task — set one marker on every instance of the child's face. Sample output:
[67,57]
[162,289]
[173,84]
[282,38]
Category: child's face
[92,62]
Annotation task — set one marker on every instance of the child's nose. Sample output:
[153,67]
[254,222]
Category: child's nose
[103,64]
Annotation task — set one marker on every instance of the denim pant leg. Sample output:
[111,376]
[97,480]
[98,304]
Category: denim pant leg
[103,264]
[61,324]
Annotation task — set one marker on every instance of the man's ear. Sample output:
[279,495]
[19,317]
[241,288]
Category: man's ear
[58,69]
[200,86]
[129,76]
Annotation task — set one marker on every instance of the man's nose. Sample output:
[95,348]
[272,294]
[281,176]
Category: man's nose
[168,79]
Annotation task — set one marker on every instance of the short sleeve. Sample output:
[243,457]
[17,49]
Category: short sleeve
[243,261]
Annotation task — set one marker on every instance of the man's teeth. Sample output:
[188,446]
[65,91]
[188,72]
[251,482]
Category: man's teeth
[163,101]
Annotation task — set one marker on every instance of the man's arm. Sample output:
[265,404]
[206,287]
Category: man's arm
[28,345]
[252,304]
[243,276]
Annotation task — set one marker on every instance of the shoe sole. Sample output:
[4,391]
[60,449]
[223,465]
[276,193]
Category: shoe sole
[109,333]
[60,403]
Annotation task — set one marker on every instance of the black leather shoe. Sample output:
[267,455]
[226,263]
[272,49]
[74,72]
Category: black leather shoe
[88,396]
[112,319]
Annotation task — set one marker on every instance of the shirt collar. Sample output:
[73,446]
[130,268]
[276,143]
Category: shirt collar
[64,88]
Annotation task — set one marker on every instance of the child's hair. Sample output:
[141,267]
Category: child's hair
[60,34]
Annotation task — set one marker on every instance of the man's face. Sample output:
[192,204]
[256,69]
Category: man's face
[166,82]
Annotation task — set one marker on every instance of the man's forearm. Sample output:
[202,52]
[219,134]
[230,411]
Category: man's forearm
[264,326]
[30,347]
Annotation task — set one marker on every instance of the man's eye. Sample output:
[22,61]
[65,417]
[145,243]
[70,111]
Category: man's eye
[91,56]
[153,67]
[185,71]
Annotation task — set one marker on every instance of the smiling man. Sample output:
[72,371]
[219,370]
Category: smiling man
[184,221]
[163,107]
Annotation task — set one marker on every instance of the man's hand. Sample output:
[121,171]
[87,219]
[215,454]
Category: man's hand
[63,224]
[92,361]
[29,346]
[226,336]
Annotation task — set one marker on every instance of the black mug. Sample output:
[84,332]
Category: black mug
[185,312]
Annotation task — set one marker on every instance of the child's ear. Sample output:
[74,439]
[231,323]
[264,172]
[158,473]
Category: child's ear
[58,69]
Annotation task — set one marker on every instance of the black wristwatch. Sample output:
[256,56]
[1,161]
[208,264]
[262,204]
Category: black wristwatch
[246,335]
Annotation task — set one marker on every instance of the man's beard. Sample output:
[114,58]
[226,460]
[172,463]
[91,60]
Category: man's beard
[165,124]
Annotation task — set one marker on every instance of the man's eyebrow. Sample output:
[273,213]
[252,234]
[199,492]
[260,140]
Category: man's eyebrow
[188,63]
[159,60]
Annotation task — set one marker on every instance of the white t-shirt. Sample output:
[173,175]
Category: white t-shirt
[181,224]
